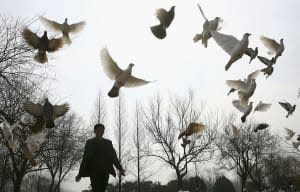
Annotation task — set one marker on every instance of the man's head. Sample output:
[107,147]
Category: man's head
[99,129]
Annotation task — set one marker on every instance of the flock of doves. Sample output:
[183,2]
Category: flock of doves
[46,114]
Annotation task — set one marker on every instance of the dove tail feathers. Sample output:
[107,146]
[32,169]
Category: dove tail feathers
[159,31]
[243,118]
[114,92]
[197,37]
[66,39]
[41,57]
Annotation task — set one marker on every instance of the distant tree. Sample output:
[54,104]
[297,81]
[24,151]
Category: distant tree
[194,184]
[223,184]
[63,149]
[165,122]
[121,135]
[249,152]
[99,114]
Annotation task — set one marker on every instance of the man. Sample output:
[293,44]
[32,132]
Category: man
[98,160]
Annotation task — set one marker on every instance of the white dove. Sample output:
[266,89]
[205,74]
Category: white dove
[273,46]
[245,87]
[269,63]
[7,132]
[32,144]
[207,27]
[290,133]
[65,28]
[232,46]
[246,110]
[262,107]
[121,77]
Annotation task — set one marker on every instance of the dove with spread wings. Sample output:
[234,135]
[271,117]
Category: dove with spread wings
[120,77]
[64,27]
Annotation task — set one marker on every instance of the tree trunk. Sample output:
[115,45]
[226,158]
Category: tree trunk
[179,182]
[244,179]
[17,184]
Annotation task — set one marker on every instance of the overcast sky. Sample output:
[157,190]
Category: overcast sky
[177,63]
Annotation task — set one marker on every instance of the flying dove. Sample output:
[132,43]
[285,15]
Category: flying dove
[246,110]
[207,27]
[245,87]
[252,53]
[31,145]
[273,46]
[43,44]
[231,45]
[165,18]
[191,129]
[7,129]
[65,28]
[296,144]
[288,107]
[269,63]
[121,77]
[261,126]
[48,111]
[290,133]
[262,107]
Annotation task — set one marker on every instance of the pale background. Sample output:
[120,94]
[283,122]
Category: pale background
[177,63]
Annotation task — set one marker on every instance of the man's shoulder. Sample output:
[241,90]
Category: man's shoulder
[107,140]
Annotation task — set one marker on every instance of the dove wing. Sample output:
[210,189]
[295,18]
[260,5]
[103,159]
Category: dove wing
[110,67]
[286,106]
[254,74]
[227,42]
[262,107]
[51,24]
[201,11]
[34,109]
[31,38]
[135,82]
[60,110]
[238,84]
[248,51]
[237,104]
[54,44]
[76,27]
[271,44]
[263,60]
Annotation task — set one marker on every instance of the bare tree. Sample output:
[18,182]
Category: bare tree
[249,152]
[121,135]
[140,146]
[99,113]
[16,58]
[63,149]
[164,123]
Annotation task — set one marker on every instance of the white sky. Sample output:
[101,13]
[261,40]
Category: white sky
[176,62]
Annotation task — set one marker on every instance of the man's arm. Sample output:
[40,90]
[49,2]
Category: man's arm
[116,161]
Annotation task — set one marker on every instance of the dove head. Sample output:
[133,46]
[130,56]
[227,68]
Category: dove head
[247,35]
[172,8]
[256,50]
[130,66]
[281,40]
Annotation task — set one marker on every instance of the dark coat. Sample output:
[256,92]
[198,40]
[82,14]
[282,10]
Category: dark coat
[99,157]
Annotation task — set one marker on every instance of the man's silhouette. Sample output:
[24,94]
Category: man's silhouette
[98,160]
